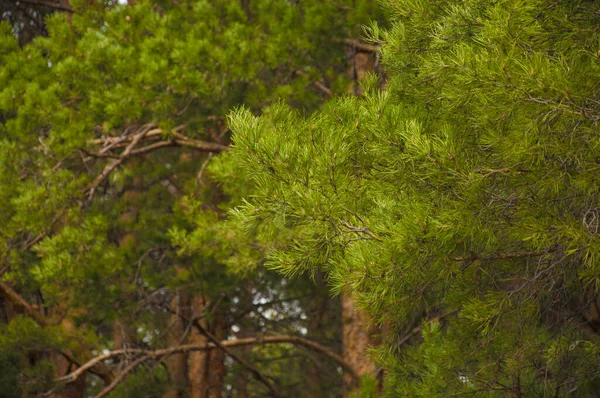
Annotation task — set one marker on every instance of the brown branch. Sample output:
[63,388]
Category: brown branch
[20,302]
[369,48]
[149,354]
[324,89]
[178,140]
[154,133]
[115,163]
[358,231]
[49,5]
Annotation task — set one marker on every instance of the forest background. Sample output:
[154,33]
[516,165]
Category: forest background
[253,198]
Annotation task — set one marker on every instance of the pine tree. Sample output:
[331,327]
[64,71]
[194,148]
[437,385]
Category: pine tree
[106,128]
[460,204]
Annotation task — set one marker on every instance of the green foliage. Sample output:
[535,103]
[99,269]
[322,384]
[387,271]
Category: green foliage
[463,199]
[104,72]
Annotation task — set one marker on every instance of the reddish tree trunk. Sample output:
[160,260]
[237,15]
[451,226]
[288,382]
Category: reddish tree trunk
[357,337]
[206,369]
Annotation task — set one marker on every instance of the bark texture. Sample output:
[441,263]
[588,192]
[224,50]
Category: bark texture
[357,337]
[206,369]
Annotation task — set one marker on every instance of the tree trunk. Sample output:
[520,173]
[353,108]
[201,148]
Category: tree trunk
[177,363]
[206,369]
[198,361]
[216,367]
[357,337]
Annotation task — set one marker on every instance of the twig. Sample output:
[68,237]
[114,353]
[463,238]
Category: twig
[115,163]
[500,256]
[369,48]
[357,230]
[202,168]
[322,87]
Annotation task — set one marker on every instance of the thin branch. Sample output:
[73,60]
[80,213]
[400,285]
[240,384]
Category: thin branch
[369,48]
[148,132]
[149,354]
[202,168]
[358,231]
[500,256]
[201,145]
[324,89]
[115,163]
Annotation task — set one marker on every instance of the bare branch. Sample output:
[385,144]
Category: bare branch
[368,48]
[115,163]
[149,354]
[358,231]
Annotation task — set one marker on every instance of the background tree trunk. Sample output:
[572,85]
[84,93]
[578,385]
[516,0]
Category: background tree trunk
[177,364]
[357,337]
[206,369]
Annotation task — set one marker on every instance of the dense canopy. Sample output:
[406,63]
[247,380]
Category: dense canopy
[179,204]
